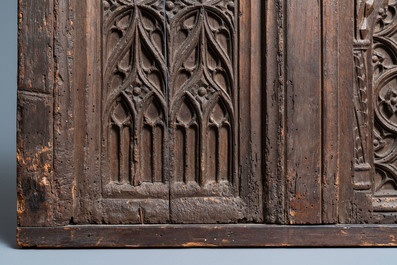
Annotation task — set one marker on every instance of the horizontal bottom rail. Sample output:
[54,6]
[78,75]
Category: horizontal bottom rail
[233,235]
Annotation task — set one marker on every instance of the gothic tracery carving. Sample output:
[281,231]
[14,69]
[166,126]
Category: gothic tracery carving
[384,61]
[193,79]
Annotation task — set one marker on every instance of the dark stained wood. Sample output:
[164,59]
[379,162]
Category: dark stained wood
[238,235]
[230,185]
[251,108]
[35,114]
[303,112]
[345,79]
[363,118]
[207,123]
[330,108]
[65,166]
[275,120]
[34,157]
[88,183]
[382,62]
[36,46]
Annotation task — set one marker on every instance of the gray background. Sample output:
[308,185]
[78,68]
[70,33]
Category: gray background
[10,254]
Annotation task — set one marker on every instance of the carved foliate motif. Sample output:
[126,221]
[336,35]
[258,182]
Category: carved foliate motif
[384,61]
[169,91]
[362,166]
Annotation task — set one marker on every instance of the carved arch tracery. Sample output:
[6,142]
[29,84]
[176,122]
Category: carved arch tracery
[384,61]
[187,90]
[134,70]
[375,104]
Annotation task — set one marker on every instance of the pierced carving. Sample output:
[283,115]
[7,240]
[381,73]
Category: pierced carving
[385,100]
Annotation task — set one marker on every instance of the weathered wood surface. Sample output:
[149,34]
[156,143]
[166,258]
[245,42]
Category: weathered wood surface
[35,113]
[207,112]
[346,119]
[303,113]
[239,235]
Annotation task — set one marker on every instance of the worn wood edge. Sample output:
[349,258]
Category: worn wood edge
[237,235]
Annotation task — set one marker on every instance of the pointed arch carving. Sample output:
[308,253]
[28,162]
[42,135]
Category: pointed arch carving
[153,141]
[203,41]
[202,67]
[219,147]
[120,145]
[134,71]
[182,99]
[186,127]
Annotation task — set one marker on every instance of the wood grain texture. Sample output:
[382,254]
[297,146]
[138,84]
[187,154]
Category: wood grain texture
[330,112]
[36,46]
[345,79]
[275,109]
[251,94]
[303,102]
[208,236]
[34,160]
[64,117]
[35,114]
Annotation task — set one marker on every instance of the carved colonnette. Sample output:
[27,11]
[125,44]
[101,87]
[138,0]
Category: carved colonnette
[363,161]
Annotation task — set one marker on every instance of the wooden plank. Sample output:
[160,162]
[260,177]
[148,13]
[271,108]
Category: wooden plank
[257,110]
[250,104]
[136,236]
[88,107]
[275,131]
[64,112]
[35,110]
[304,112]
[35,42]
[346,33]
[330,130]
[34,160]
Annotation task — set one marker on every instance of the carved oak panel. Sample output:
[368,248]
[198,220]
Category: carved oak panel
[134,107]
[170,108]
[385,126]
[207,123]
[375,58]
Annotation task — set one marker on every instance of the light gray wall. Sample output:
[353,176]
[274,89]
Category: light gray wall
[9,255]
[8,104]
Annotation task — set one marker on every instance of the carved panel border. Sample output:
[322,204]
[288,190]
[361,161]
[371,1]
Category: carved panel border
[375,60]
